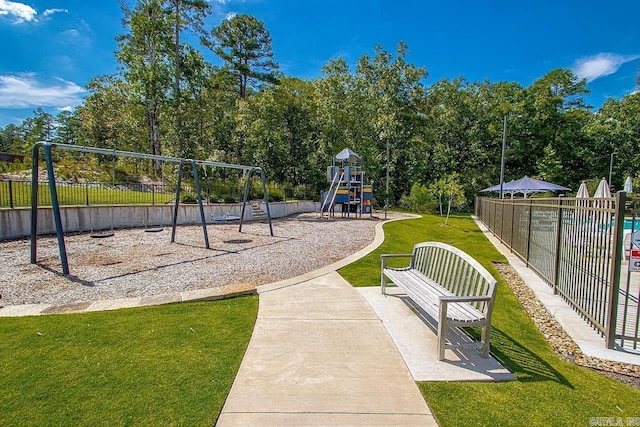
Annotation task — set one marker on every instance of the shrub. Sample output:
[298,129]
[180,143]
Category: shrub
[228,198]
[188,198]
[276,195]
[419,200]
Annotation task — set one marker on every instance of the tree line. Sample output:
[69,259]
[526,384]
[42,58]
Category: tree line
[167,99]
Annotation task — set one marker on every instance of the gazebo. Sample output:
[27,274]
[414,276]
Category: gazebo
[525,186]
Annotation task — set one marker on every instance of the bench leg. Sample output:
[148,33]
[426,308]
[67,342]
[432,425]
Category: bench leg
[383,280]
[484,350]
[442,329]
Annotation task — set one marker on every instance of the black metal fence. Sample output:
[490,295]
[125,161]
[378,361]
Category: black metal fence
[17,193]
[580,249]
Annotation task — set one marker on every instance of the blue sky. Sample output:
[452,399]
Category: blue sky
[51,48]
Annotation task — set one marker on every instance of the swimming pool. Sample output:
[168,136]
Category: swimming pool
[629,223]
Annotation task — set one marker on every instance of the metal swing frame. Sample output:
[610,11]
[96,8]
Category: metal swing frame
[47,146]
[159,228]
[109,233]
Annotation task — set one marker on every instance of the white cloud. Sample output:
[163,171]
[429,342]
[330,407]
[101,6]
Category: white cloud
[229,16]
[49,12]
[66,108]
[26,91]
[602,64]
[20,12]
[72,33]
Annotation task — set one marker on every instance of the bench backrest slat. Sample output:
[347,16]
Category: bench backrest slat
[453,269]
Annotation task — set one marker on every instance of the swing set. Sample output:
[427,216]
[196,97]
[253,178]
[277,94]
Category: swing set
[47,147]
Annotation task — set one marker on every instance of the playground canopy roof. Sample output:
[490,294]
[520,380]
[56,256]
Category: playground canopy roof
[348,155]
[526,185]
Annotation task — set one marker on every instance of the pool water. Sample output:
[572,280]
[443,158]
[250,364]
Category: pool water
[628,223]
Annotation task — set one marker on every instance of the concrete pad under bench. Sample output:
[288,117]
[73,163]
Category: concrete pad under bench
[413,333]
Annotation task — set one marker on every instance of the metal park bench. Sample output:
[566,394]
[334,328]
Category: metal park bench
[449,285]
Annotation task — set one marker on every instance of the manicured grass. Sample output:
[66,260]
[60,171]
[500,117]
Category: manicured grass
[400,236]
[164,365]
[549,391]
[77,194]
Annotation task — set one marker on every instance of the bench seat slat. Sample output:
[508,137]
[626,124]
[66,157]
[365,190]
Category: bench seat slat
[412,282]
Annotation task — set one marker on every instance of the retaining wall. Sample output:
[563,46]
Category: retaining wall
[16,223]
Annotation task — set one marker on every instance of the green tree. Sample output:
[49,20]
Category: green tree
[244,44]
[555,113]
[392,90]
[111,116]
[615,129]
[281,132]
[10,139]
[67,127]
[549,167]
[40,127]
[183,15]
[143,53]
[448,189]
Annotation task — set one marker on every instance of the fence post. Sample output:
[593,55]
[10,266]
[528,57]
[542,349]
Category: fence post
[513,222]
[502,220]
[556,261]
[529,230]
[10,194]
[614,282]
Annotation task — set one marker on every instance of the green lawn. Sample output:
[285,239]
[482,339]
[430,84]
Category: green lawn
[164,365]
[549,391]
[77,194]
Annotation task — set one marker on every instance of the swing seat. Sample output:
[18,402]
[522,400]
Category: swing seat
[225,218]
[153,230]
[102,235]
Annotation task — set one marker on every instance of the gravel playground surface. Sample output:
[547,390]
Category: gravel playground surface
[133,263]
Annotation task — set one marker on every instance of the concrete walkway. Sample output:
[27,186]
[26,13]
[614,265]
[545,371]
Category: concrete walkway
[319,355]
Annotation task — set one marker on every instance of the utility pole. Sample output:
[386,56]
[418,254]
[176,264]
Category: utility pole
[504,149]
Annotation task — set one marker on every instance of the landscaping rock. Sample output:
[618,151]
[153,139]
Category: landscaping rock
[557,337]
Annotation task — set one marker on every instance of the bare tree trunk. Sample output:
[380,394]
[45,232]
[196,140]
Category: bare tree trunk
[176,83]
[153,124]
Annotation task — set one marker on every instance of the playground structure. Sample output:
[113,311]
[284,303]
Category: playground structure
[347,189]
[47,149]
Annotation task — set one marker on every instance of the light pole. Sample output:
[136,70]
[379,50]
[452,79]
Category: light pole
[611,170]
[386,202]
[504,149]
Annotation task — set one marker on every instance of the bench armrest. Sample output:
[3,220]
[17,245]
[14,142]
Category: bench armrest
[383,258]
[471,298]
[447,299]
[396,256]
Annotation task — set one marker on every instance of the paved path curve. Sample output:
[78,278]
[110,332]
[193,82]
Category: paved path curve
[319,355]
